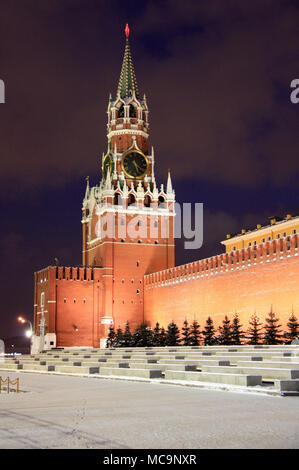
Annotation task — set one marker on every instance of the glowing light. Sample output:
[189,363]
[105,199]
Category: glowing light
[28,333]
[127,30]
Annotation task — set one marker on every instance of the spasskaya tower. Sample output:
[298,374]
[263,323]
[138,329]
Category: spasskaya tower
[127,220]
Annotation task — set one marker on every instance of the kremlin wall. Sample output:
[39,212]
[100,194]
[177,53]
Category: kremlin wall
[246,281]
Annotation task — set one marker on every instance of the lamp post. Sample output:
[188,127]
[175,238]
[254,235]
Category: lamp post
[23,320]
[29,332]
[42,331]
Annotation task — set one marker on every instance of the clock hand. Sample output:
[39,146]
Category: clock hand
[136,166]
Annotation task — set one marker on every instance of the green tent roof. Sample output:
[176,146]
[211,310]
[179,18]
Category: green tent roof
[127,81]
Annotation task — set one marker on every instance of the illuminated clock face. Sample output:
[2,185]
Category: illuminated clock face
[134,164]
[107,163]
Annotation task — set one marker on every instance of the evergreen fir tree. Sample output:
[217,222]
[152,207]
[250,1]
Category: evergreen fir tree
[156,335]
[149,336]
[143,336]
[272,332]
[127,336]
[111,337]
[209,332]
[293,327]
[254,332]
[186,334]
[172,335]
[137,339]
[118,343]
[237,334]
[195,334]
[162,337]
[225,331]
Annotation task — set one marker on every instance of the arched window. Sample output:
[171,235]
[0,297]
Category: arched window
[147,201]
[121,111]
[161,203]
[131,199]
[132,111]
[117,199]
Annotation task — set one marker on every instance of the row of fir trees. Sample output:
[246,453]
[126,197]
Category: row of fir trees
[229,333]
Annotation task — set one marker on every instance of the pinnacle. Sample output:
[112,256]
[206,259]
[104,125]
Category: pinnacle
[87,191]
[127,83]
[169,183]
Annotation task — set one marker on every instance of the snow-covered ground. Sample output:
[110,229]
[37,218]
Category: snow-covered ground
[57,411]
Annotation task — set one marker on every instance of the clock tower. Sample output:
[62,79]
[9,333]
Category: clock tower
[127,219]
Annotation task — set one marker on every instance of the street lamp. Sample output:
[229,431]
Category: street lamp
[24,320]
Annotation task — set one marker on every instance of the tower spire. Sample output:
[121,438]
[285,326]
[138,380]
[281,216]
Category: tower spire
[169,183]
[127,84]
[87,191]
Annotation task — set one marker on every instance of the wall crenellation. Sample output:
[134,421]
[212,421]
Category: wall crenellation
[265,252]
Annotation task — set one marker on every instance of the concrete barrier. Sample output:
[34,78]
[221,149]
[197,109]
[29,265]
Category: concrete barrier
[288,387]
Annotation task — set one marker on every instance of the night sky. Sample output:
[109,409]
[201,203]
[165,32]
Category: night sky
[217,78]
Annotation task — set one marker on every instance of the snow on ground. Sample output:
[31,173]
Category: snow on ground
[58,411]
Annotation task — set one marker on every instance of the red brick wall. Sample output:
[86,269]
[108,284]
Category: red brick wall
[131,261]
[73,304]
[243,282]
[212,287]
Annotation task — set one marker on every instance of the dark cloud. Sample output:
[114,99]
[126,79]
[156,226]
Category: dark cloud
[223,105]
[218,96]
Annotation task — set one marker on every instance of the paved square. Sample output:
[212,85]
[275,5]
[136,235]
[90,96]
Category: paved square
[77,412]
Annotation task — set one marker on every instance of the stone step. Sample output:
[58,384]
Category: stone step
[140,373]
[266,373]
[217,347]
[226,354]
[196,362]
[45,368]
[220,378]
[77,363]
[163,367]
[271,364]
[172,353]
[77,369]
[285,359]
[10,366]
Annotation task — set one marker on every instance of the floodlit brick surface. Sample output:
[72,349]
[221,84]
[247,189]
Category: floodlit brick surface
[246,288]
[76,299]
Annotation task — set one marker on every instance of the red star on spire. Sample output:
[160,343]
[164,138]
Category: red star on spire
[127,30]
